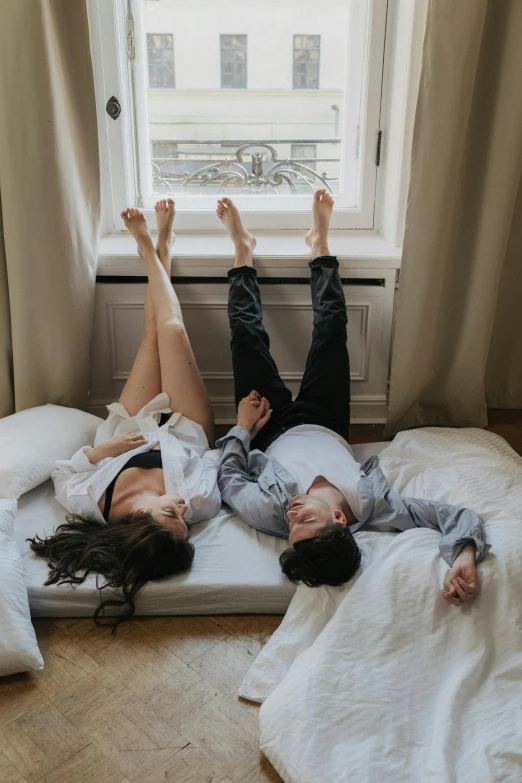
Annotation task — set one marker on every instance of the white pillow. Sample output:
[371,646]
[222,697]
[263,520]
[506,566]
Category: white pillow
[31,441]
[18,646]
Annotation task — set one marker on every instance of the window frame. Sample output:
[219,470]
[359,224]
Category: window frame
[125,145]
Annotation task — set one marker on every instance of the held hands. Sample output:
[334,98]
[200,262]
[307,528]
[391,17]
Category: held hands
[117,445]
[462,580]
[253,413]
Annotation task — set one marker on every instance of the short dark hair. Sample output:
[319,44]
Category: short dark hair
[127,554]
[329,559]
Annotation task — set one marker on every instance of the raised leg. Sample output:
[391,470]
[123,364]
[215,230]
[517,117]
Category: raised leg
[326,380]
[144,381]
[253,365]
[180,377]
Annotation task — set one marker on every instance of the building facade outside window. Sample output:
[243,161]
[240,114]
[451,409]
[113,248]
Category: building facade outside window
[234,61]
[307,153]
[160,52]
[306,62]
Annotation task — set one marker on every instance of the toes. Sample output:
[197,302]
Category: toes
[124,213]
[226,201]
[170,202]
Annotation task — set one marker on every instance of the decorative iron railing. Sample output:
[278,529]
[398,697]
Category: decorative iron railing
[255,167]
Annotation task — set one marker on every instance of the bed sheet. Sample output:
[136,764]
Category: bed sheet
[236,568]
[399,686]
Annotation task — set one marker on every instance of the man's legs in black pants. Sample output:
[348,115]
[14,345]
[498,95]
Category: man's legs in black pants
[325,388]
[252,363]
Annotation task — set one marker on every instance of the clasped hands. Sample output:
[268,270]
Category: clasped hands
[253,412]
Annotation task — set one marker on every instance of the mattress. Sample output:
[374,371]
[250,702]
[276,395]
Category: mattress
[236,568]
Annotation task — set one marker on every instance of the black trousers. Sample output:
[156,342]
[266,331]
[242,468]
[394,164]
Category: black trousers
[324,397]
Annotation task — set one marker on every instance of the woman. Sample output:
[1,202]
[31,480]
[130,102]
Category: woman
[133,496]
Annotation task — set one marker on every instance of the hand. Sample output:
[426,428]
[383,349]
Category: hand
[253,413]
[462,580]
[117,445]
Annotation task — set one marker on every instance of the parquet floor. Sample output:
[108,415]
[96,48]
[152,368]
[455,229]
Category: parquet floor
[156,703]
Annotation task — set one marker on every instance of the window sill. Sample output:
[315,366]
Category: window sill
[207,254]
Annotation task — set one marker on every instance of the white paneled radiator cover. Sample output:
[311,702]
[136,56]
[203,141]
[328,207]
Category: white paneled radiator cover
[288,319]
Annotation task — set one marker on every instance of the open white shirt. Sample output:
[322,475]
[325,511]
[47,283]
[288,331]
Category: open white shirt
[189,465]
[308,451]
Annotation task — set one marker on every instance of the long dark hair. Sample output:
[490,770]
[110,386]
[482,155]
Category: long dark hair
[128,554]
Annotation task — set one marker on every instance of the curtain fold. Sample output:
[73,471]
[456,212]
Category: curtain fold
[459,315]
[50,203]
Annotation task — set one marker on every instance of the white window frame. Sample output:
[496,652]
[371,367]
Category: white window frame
[121,142]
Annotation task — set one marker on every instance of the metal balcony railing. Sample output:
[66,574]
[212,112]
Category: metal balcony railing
[254,166]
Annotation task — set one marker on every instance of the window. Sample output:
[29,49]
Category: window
[160,50]
[305,152]
[268,138]
[306,62]
[234,61]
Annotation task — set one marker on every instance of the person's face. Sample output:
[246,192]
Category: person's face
[168,510]
[308,516]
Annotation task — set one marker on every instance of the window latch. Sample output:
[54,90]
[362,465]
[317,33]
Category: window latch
[113,108]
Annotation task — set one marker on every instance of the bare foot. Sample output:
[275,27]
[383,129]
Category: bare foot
[137,225]
[165,214]
[244,242]
[317,237]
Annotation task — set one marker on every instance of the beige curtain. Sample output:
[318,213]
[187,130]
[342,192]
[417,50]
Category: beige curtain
[458,337]
[49,203]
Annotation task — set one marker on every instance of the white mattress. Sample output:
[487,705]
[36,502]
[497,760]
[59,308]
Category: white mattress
[236,569]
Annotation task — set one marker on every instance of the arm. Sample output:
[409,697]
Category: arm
[463,544]
[460,527]
[260,506]
[73,477]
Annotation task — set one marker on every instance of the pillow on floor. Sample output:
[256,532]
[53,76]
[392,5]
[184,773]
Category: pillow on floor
[18,646]
[31,441]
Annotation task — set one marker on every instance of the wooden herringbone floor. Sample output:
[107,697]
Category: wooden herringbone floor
[156,703]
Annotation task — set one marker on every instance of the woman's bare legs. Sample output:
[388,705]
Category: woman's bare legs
[144,381]
[180,377]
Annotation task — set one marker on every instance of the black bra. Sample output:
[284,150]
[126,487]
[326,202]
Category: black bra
[147,460]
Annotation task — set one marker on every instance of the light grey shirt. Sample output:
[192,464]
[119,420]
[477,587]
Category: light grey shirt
[259,490]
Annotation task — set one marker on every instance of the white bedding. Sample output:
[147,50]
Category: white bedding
[398,686]
[236,569]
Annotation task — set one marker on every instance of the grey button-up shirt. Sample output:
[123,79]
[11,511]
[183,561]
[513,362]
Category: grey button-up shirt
[259,490]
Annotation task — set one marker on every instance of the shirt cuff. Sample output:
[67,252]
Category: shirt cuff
[80,461]
[238,432]
[451,553]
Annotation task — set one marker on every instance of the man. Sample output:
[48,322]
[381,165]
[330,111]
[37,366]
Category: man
[307,486]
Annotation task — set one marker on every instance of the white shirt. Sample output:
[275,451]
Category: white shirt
[189,465]
[308,451]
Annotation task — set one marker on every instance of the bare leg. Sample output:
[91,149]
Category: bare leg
[180,377]
[317,237]
[244,242]
[144,381]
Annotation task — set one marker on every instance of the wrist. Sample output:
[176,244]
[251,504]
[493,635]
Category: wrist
[95,455]
[467,553]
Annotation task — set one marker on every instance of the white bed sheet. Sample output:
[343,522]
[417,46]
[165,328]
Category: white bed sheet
[236,569]
[399,686]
